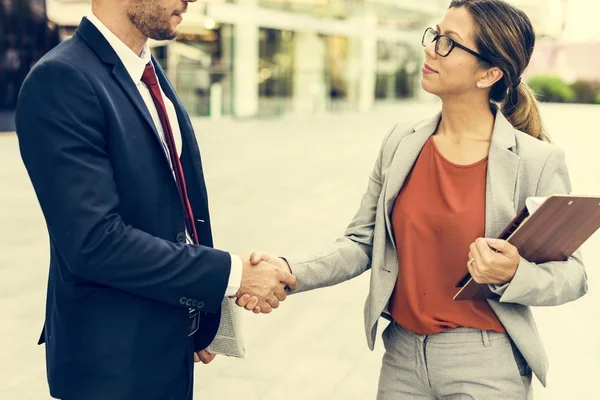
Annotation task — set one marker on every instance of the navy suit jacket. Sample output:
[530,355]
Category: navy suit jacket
[121,276]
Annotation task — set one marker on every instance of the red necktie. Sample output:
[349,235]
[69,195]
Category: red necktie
[149,78]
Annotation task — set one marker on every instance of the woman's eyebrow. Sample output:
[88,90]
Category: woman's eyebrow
[448,32]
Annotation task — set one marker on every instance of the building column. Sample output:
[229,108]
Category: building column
[245,66]
[368,64]
[309,94]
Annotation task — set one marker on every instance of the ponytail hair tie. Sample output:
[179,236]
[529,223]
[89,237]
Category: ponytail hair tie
[517,83]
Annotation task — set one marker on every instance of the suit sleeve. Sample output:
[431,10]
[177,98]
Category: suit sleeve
[60,127]
[350,255]
[551,283]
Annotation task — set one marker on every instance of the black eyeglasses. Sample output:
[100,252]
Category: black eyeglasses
[444,44]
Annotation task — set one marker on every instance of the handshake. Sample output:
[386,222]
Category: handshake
[265,278]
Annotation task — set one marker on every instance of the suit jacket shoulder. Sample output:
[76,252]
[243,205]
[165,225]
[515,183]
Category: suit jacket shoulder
[72,54]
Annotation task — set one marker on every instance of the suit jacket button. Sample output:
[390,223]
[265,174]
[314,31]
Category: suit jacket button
[181,237]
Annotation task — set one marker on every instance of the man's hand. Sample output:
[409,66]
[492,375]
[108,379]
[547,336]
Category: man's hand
[263,285]
[204,356]
[251,302]
[493,261]
[259,256]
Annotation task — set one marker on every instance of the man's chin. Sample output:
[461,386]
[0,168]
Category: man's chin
[170,35]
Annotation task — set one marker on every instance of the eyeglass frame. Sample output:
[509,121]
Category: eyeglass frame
[453,44]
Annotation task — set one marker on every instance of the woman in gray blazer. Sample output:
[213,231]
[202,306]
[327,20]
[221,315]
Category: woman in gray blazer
[438,189]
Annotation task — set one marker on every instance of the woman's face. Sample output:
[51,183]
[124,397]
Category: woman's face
[458,72]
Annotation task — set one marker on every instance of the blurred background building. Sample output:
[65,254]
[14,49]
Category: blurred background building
[256,58]
[248,58]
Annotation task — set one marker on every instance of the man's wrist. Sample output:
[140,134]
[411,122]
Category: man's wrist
[235,276]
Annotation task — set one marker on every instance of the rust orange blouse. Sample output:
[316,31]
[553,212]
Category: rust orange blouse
[439,212]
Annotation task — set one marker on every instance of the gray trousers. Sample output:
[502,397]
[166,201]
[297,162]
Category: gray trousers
[460,364]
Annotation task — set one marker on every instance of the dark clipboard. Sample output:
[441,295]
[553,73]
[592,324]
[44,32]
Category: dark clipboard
[552,233]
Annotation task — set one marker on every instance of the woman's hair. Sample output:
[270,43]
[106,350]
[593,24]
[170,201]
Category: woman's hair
[504,35]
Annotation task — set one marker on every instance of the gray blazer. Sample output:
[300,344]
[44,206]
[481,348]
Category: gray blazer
[519,166]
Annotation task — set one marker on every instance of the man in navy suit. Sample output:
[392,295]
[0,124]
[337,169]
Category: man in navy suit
[135,285]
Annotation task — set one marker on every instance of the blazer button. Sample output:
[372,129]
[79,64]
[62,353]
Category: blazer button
[181,237]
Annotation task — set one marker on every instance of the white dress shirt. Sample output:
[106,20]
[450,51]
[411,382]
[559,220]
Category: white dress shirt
[135,66]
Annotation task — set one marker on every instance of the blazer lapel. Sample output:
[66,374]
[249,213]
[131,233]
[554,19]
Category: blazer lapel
[405,156]
[124,79]
[100,45]
[501,183]
[502,173]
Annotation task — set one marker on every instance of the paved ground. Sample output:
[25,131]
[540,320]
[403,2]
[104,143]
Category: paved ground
[289,186]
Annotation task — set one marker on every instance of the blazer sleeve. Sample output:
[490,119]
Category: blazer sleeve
[60,127]
[350,255]
[550,283]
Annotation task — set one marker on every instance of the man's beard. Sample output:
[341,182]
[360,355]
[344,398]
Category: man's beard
[148,18]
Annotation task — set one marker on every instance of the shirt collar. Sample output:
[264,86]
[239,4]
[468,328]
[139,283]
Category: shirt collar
[133,63]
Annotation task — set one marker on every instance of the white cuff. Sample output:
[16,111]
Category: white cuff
[235,276]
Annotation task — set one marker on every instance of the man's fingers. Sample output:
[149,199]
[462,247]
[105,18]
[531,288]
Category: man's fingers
[243,300]
[252,303]
[257,256]
[265,308]
[273,301]
[205,356]
[280,293]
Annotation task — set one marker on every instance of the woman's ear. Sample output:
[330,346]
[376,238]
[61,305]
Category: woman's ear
[489,77]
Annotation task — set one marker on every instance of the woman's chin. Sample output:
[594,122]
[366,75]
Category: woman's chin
[427,86]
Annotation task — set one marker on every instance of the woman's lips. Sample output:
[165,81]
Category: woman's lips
[428,70]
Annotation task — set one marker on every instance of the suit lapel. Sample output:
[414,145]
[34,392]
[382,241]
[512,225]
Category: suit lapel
[94,38]
[502,173]
[133,93]
[404,158]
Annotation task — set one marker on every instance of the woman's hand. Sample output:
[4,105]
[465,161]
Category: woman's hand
[493,261]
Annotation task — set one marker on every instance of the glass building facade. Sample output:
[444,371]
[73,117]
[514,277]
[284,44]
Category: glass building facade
[253,58]
[25,36]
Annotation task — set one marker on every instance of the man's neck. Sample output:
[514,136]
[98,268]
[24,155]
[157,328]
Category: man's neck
[118,23]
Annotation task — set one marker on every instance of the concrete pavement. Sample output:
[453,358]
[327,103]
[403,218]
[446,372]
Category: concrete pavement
[290,186]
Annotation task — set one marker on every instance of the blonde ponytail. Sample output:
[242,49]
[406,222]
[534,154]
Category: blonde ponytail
[521,108]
